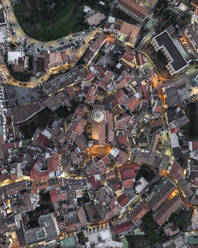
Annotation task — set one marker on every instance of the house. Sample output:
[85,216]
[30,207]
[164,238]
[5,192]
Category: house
[122,81]
[176,171]
[128,58]
[53,165]
[129,170]
[91,95]
[127,32]
[106,80]
[123,200]
[133,103]
[138,212]
[78,125]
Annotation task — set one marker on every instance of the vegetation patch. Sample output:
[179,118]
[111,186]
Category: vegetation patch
[47,20]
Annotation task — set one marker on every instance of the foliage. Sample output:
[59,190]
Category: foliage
[145,172]
[181,222]
[50,19]
[153,233]
[192,129]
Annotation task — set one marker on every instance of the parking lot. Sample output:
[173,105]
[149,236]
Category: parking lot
[31,46]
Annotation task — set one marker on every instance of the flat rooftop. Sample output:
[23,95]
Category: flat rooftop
[164,39]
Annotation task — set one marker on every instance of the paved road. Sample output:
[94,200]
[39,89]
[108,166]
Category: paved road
[50,72]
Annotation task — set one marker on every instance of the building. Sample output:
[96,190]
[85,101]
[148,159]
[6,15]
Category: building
[56,59]
[138,212]
[95,19]
[122,228]
[100,235]
[47,230]
[165,43]
[160,194]
[22,113]
[162,214]
[127,32]
[14,56]
[191,33]
[131,8]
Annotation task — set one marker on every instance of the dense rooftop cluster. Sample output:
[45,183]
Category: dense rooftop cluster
[100,145]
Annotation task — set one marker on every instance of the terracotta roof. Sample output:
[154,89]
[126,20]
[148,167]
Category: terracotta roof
[56,59]
[177,171]
[122,122]
[36,175]
[122,140]
[128,57]
[89,75]
[95,184]
[53,162]
[122,157]
[23,113]
[145,93]
[97,43]
[130,30]
[166,209]
[127,183]
[78,126]
[80,110]
[71,92]
[129,170]
[139,59]
[98,132]
[126,226]
[53,196]
[110,175]
[133,103]
[135,8]
[123,199]
[194,145]
[42,141]
[123,80]
[82,216]
[139,211]
[158,197]
[91,95]
[91,212]
[106,79]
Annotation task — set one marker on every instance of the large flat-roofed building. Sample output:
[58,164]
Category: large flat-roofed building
[48,230]
[131,8]
[172,51]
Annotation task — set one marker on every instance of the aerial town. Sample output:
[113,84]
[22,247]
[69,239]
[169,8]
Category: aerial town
[99,127]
